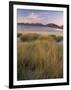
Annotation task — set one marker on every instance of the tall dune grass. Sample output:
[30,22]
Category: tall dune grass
[39,59]
[35,36]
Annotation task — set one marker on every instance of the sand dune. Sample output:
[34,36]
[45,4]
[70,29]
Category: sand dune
[58,33]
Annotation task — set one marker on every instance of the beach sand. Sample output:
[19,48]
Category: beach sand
[57,33]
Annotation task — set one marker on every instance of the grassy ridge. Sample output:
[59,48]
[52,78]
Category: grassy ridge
[35,36]
[41,58]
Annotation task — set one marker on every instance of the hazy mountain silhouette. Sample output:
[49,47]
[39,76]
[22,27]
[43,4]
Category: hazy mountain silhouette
[52,25]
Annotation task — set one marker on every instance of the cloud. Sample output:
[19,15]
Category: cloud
[42,18]
[32,18]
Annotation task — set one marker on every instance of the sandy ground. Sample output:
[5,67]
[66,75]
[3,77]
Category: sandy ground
[58,33]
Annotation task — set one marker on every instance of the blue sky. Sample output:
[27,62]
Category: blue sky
[39,16]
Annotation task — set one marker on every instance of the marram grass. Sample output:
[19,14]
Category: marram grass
[39,59]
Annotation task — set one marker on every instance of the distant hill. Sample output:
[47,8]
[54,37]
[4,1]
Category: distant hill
[52,25]
[32,24]
[61,27]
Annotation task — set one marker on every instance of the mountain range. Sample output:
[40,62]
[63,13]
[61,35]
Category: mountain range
[52,25]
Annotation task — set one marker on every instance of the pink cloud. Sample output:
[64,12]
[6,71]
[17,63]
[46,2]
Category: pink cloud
[34,18]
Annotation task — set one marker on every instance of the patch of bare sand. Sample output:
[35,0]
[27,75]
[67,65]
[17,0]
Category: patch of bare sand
[60,33]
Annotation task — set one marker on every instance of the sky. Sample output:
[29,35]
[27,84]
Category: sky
[39,16]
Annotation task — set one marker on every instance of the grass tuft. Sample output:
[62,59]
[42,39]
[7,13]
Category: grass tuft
[41,58]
